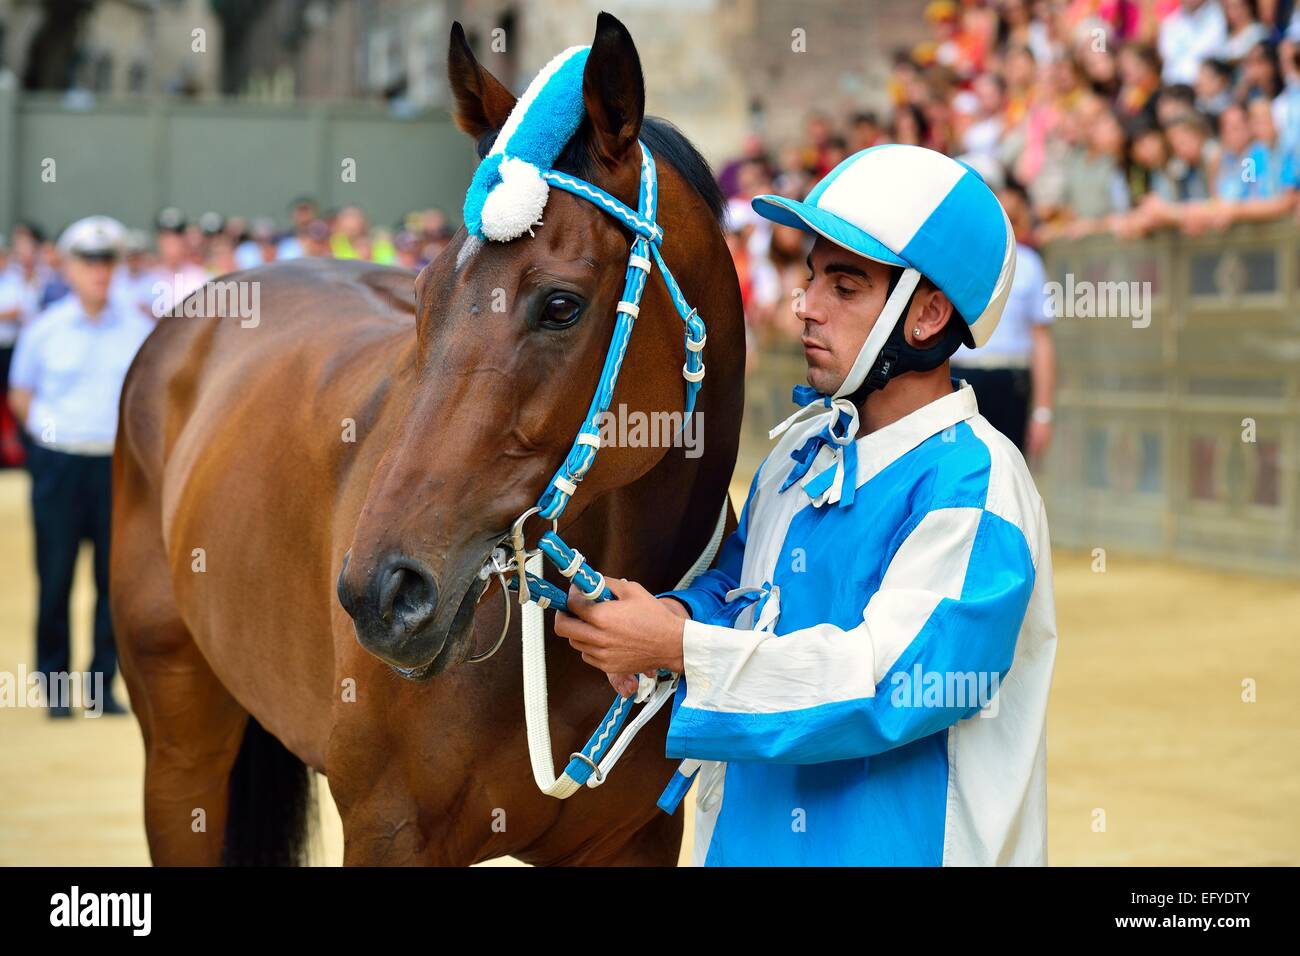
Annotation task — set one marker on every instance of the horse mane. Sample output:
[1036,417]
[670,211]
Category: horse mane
[666,143]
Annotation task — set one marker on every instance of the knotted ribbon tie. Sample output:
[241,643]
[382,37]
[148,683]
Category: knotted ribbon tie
[766,599]
[836,480]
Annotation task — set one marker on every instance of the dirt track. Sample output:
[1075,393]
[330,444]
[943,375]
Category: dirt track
[1146,724]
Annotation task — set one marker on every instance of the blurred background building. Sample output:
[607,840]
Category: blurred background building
[111,46]
[721,67]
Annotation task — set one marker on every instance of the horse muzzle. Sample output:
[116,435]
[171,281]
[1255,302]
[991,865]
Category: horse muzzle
[398,616]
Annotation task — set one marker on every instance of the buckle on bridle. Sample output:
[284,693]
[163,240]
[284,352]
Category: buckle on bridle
[500,565]
[521,552]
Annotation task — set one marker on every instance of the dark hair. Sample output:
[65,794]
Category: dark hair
[1139,126]
[997,79]
[1140,177]
[1016,189]
[1194,119]
[918,117]
[1021,48]
[37,233]
[1270,54]
[1220,67]
[1144,52]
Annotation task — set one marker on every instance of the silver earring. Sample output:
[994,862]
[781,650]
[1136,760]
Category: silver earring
[916,332]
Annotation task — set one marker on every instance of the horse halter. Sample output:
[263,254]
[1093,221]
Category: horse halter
[645,247]
[589,765]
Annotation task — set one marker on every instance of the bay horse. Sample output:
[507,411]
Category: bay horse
[374,438]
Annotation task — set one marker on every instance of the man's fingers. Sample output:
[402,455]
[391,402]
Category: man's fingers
[579,603]
[576,629]
[582,637]
[596,659]
[624,684]
[623,588]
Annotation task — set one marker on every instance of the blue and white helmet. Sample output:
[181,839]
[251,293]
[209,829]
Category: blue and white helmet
[916,208]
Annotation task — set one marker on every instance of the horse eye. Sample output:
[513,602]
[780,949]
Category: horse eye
[560,312]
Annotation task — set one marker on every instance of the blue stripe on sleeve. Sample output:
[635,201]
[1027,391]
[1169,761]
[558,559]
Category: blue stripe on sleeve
[973,635]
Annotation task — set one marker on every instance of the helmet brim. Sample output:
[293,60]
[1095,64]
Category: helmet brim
[808,218]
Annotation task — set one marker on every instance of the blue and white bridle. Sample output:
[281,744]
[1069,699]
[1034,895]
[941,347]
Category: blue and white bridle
[645,247]
[590,765]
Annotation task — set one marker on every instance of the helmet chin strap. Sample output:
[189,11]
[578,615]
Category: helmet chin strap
[886,354]
[866,369]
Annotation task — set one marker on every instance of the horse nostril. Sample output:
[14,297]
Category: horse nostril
[407,595]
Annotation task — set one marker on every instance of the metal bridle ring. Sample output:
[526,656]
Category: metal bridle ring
[505,625]
[595,770]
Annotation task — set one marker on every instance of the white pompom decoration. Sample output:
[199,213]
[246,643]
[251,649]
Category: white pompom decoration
[515,204]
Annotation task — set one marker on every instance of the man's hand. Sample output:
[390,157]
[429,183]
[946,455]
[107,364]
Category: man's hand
[20,403]
[635,633]
[1037,438]
[625,685]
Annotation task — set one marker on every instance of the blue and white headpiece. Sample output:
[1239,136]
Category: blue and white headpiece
[508,193]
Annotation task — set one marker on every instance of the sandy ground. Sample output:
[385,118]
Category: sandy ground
[1153,756]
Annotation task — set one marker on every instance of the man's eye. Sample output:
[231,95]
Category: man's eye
[560,312]
[843,291]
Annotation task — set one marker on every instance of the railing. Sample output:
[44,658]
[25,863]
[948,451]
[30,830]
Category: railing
[1178,406]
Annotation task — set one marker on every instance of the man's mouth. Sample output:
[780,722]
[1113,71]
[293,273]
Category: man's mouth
[812,348]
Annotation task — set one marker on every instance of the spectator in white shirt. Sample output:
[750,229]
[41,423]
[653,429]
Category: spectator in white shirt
[1014,374]
[64,386]
[1194,32]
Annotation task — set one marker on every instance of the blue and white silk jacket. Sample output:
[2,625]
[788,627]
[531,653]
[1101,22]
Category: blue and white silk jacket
[867,684]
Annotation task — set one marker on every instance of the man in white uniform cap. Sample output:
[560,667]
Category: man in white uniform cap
[64,387]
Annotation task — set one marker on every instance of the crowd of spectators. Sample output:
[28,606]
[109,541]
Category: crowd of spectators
[1115,116]
[154,273]
[31,274]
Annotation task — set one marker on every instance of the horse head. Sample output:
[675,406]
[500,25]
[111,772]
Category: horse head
[511,336]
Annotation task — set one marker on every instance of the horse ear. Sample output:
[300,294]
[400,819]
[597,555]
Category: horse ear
[482,103]
[613,91]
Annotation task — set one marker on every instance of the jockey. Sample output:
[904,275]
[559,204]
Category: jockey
[866,668]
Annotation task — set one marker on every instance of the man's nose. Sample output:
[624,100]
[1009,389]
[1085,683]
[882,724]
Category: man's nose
[805,308]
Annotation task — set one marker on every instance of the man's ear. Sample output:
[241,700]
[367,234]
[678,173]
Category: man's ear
[482,103]
[613,91]
[930,312]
